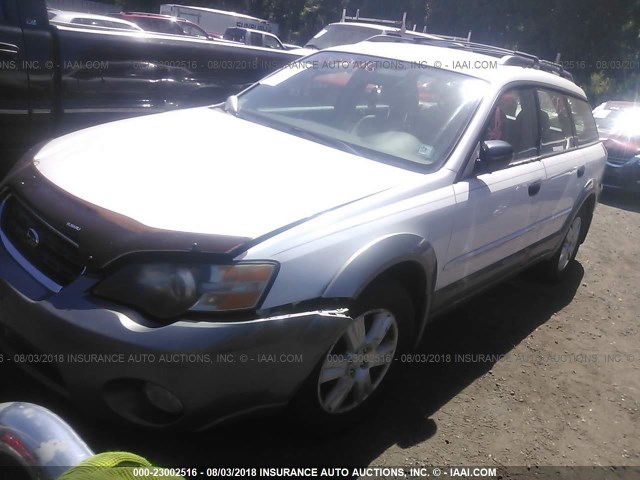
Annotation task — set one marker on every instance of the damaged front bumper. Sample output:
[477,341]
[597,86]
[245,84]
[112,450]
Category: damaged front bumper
[187,375]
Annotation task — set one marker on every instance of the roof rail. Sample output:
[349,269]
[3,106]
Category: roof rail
[401,24]
[506,56]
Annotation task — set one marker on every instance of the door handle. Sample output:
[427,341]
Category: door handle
[8,50]
[581,171]
[534,188]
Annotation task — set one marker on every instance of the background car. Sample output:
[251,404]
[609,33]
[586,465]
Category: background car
[357,29]
[619,128]
[257,38]
[88,19]
[152,22]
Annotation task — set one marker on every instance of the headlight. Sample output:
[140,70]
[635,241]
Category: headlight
[168,289]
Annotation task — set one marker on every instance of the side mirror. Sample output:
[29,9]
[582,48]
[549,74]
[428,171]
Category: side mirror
[495,154]
[231,105]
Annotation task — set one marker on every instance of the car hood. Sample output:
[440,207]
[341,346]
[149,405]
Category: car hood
[205,171]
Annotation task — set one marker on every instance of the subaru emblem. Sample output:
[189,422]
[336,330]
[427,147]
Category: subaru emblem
[32,237]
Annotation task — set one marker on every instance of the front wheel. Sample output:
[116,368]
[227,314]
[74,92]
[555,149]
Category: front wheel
[359,364]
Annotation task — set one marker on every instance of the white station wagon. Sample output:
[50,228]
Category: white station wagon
[285,248]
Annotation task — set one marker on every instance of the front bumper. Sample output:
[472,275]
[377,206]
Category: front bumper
[103,359]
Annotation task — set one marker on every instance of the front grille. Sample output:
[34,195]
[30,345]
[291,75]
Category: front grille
[46,249]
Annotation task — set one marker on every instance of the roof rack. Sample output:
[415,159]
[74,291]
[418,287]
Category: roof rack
[401,24]
[506,56]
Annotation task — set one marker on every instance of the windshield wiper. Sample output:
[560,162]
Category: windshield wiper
[298,132]
[311,45]
[319,138]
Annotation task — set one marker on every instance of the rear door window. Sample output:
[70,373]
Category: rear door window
[556,127]
[585,125]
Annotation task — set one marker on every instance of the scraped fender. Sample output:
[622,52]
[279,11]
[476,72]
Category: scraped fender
[380,256]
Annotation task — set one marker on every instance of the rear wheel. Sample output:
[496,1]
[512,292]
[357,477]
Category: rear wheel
[556,267]
[359,364]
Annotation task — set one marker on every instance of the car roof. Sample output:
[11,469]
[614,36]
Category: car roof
[223,12]
[70,14]
[152,15]
[482,66]
[619,105]
[67,16]
[253,30]
[384,28]
[158,16]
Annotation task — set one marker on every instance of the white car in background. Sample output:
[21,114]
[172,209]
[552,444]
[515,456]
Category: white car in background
[90,20]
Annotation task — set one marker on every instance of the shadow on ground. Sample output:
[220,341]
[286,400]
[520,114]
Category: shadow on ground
[492,324]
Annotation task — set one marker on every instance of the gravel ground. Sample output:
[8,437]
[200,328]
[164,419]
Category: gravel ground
[526,374]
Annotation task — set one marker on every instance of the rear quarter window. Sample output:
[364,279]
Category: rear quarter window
[586,130]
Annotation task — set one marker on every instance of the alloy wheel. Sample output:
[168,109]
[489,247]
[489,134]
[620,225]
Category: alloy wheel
[570,244]
[358,361]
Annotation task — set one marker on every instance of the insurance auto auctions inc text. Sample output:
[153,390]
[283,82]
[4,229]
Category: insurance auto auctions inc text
[379,472]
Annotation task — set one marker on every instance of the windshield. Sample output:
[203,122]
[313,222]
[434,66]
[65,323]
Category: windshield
[341,34]
[385,110]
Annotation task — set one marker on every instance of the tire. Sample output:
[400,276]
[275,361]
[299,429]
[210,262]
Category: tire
[555,269]
[356,369]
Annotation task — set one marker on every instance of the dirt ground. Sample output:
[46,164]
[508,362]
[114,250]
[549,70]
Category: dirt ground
[528,374]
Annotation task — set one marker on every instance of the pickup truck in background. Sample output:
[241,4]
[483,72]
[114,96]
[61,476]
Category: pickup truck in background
[56,79]
[217,21]
[249,36]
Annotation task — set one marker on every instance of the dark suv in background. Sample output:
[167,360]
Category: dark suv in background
[619,129]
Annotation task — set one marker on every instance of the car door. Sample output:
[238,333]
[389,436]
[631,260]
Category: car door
[564,164]
[27,93]
[496,212]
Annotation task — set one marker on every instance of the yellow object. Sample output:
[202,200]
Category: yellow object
[117,466]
